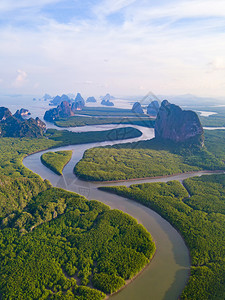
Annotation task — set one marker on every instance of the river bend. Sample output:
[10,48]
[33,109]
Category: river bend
[166,276]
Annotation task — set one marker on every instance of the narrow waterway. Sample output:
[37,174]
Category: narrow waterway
[167,274]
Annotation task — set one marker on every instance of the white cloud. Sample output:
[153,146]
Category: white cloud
[36,85]
[146,51]
[181,9]
[107,7]
[218,64]
[9,5]
[21,79]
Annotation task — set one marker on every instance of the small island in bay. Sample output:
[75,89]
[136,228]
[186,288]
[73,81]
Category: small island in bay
[91,100]
[106,100]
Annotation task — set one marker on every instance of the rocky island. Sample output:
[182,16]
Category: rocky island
[65,109]
[177,125]
[153,109]
[21,113]
[106,100]
[16,126]
[107,103]
[57,99]
[78,103]
[137,109]
[91,100]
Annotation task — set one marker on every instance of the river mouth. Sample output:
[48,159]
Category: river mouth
[167,274]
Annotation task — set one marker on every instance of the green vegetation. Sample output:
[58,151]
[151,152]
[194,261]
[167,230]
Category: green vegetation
[146,159]
[65,137]
[16,193]
[217,120]
[106,111]
[215,142]
[13,150]
[56,161]
[213,120]
[199,218]
[55,244]
[21,185]
[83,121]
[61,241]
[104,164]
[108,283]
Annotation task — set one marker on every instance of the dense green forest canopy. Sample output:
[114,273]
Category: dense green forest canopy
[216,120]
[55,244]
[151,158]
[61,243]
[83,121]
[215,143]
[13,150]
[200,218]
[65,137]
[56,161]
[48,243]
[107,111]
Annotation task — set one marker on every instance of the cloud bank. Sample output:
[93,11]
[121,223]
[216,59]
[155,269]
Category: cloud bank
[123,46]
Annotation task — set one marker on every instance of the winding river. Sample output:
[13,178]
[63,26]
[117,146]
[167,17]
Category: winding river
[166,276]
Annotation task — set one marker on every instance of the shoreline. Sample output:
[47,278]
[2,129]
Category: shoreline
[137,275]
[129,281]
[151,177]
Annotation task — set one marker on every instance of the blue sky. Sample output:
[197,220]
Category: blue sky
[124,47]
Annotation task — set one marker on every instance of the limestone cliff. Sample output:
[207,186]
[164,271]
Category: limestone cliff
[4,113]
[63,110]
[16,126]
[20,113]
[177,125]
[79,100]
[57,100]
[78,103]
[153,109]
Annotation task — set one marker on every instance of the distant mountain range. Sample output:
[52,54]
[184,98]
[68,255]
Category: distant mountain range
[184,100]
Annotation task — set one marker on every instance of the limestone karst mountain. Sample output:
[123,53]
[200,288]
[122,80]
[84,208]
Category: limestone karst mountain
[177,125]
[16,126]
[137,109]
[153,109]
